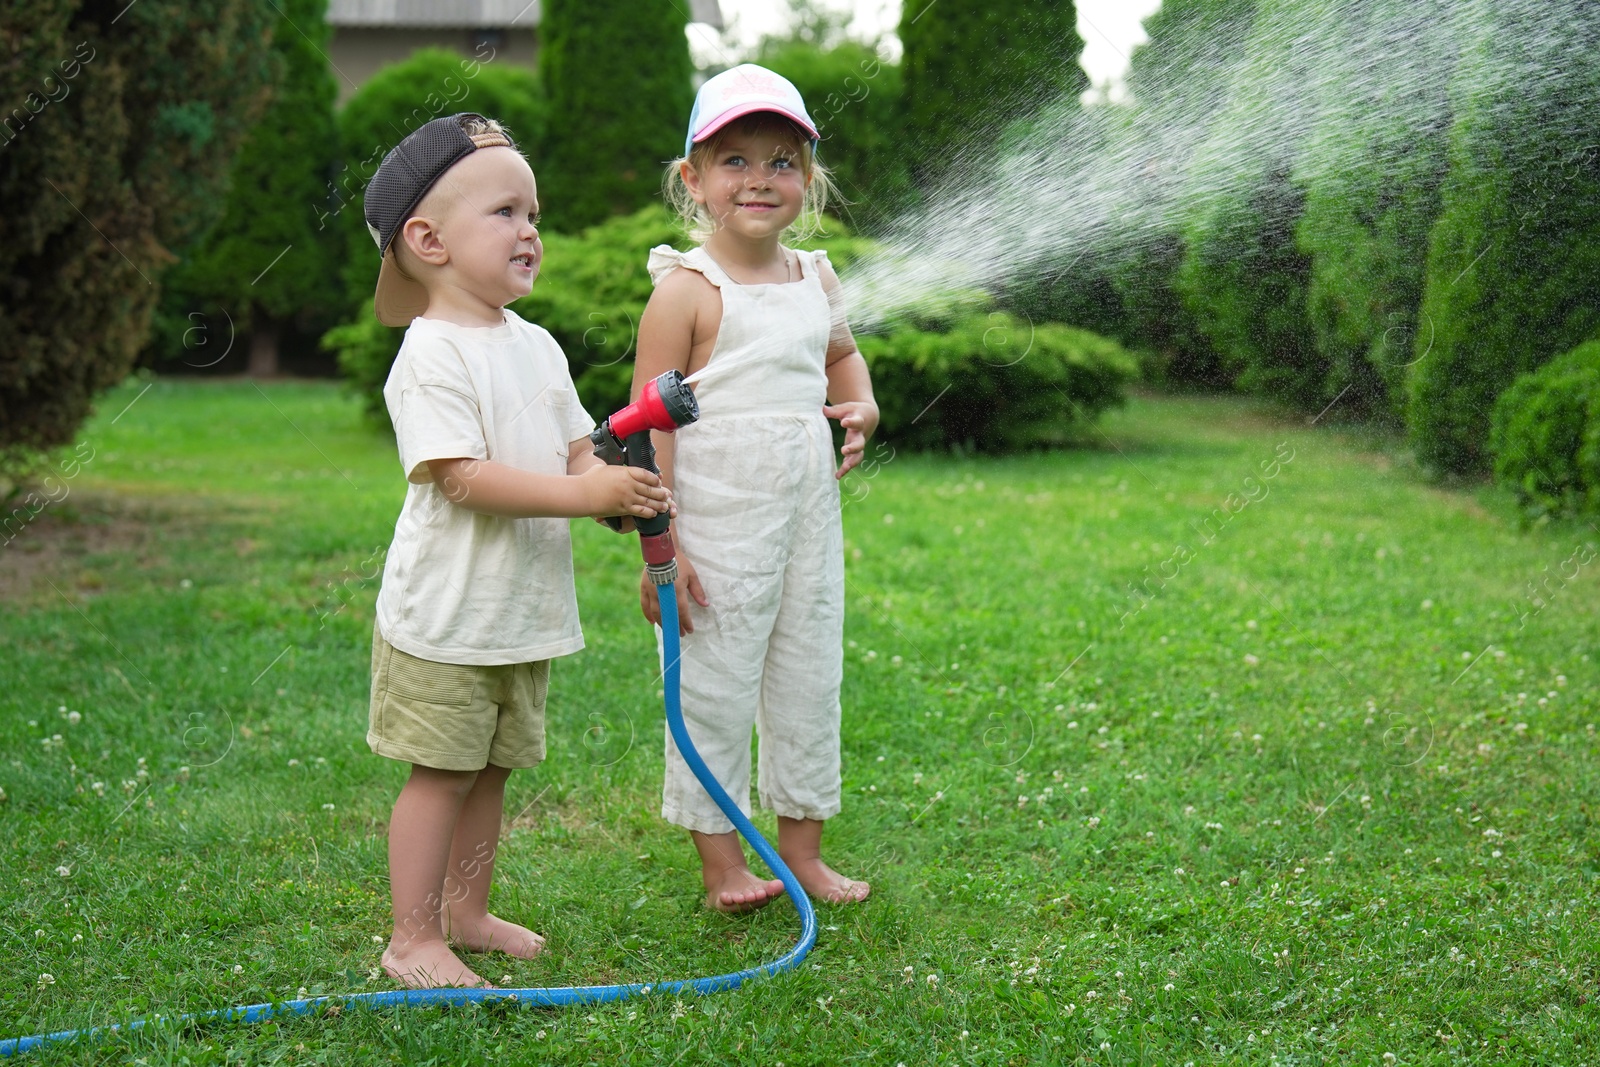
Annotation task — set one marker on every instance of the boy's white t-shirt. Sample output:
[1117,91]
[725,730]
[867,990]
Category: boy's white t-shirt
[460,586]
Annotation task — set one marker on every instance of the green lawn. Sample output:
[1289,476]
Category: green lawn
[1321,791]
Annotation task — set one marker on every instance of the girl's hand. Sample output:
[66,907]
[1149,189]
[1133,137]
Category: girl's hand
[687,585]
[859,419]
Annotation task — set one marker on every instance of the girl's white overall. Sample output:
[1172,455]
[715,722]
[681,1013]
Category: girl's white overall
[758,516]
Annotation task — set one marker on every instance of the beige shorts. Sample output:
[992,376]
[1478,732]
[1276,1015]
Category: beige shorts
[456,717]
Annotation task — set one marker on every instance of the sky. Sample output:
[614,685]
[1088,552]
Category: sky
[1109,28]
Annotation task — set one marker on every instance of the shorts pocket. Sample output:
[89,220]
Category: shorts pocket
[436,683]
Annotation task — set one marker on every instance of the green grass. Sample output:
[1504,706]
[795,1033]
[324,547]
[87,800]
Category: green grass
[1327,794]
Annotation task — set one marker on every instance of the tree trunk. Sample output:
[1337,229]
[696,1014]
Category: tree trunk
[263,345]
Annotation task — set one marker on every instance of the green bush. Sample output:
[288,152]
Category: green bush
[993,382]
[1545,434]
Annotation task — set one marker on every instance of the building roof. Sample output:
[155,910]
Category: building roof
[466,14]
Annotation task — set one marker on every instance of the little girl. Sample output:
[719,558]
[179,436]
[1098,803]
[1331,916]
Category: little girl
[759,330]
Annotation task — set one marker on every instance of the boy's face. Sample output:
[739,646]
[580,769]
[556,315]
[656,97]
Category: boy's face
[485,213]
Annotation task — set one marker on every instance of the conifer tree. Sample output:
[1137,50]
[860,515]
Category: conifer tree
[269,260]
[618,78]
[124,125]
[973,68]
[1177,80]
[1372,171]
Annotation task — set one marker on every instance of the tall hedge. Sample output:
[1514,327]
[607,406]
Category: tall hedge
[1244,278]
[1513,271]
[1373,169]
[973,67]
[619,80]
[399,98]
[1178,81]
[268,261]
[124,123]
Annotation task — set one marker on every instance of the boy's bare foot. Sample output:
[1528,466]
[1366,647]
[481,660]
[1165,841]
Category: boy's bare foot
[428,965]
[736,889]
[494,934]
[824,883]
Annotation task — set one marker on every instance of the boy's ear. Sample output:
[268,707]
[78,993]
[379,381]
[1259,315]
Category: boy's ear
[691,181]
[424,241]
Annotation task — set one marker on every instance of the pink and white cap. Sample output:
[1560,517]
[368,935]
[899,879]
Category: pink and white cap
[744,90]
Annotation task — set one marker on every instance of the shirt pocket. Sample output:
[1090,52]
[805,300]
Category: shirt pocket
[555,405]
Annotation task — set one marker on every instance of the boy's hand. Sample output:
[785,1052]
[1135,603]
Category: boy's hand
[624,491]
[859,419]
[625,524]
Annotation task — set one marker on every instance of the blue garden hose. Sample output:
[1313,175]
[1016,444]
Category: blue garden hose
[561,996]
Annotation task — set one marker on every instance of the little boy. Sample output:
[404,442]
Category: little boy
[477,593]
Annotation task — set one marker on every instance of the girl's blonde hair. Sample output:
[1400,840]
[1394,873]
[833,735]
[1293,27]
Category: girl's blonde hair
[699,222]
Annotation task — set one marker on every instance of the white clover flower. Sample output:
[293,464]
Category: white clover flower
[238,968]
[46,979]
[64,871]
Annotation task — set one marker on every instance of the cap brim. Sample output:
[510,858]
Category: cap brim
[399,298]
[754,107]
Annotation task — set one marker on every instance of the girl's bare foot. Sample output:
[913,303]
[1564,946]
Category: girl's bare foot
[824,883]
[731,886]
[493,934]
[733,890]
[800,845]
[428,965]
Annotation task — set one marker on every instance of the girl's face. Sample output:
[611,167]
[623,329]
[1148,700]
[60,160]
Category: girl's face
[753,183]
